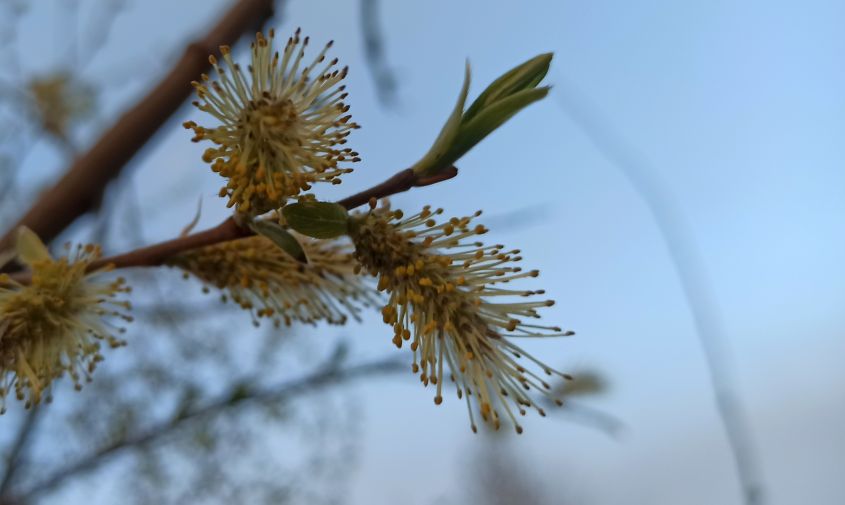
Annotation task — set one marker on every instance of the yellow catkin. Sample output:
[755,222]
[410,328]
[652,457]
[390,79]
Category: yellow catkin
[284,124]
[448,297]
[59,100]
[263,279]
[57,324]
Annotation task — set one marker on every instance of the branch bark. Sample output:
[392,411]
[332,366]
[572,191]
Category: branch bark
[157,254]
[82,186]
[402,181]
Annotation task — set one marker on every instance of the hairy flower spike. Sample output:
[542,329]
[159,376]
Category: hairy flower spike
[444,299]
[282,124]
[56,324]
[260,277]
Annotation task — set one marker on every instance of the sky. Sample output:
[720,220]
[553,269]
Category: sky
[735,108]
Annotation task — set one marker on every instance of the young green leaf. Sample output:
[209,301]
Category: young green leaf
[434,159]
[280,237]
[29,247]
[492,117]
[525,76]
[317,219]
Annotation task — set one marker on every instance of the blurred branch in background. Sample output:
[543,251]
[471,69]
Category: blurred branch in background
[374,51]
[496,479]
[19,444]
[94,36]
[498,476]
[586,384]
[81,189]
[330,373]
[691,273]
[171,433]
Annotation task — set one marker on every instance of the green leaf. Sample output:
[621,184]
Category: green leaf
[280,237]
[492,117]
[29,247]
[434,159]
[525,76]
[317,219]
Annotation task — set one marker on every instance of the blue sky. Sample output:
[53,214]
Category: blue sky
[737,109]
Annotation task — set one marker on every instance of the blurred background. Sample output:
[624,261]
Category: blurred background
[682,184]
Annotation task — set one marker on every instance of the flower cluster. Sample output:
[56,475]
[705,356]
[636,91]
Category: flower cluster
[259,276]
[59,99]
[282,124]
[445,291]
[56,323]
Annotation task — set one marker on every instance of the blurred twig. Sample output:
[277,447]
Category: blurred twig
[326,375]
[229,229]
[21,442]
[593,417]
[689,267]
[375,54]
[97,33]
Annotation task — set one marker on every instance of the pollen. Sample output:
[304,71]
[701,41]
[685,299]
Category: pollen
[57,324]
[283,124]
[260,277]
[451,297]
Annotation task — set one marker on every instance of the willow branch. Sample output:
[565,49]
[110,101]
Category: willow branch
[401,182]
[689,266]
[158,254]
[82,186]
[323,377]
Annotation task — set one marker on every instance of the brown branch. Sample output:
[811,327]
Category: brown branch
[82,186]
[401,182]
[157,254]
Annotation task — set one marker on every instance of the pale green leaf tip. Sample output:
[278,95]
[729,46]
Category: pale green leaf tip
[431,162]
[463,130]
[29,247]
[281,237]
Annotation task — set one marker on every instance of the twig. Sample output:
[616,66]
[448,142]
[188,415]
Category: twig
[20,443]
[325,376]
[82,186]
[99,32]
[374,52]
[402,181]
[158,254]
[688,265]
